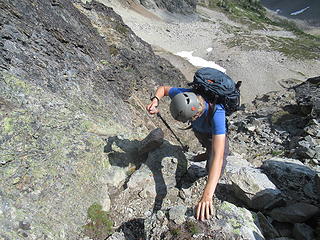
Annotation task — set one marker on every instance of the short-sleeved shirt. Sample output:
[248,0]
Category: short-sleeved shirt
[202,124]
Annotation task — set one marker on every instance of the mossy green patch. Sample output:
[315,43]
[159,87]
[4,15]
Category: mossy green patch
[100,225]
[276,152]
[234,223]
[16,83]
[100,127]
[280,116]
[225,207]
[104,62]
[175,232]
[121,28]
[301,47]
[113,50]
[192,227]
[7,125]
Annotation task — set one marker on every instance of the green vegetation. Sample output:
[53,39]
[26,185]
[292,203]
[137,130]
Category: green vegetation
[121,28]
[253,14]
[185,230]
[252,9]
[113,50]
[276,152]
[192,227]
[7,125]
[303,47]
[175,232]
[100,225]
[105,62]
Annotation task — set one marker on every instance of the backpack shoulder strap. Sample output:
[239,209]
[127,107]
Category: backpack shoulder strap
[211,111]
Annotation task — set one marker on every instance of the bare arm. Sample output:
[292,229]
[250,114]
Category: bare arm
[160,93]
[204,207]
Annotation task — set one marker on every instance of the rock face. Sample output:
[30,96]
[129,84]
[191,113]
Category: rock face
[67,69]
[308,96]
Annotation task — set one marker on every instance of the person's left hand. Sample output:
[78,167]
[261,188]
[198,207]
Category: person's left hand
[204,208]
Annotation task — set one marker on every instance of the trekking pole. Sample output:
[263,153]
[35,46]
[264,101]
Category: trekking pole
[185,148]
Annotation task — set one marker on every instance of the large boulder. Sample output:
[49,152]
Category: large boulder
[249,184]
[308,96]
[292,176]
[295,213]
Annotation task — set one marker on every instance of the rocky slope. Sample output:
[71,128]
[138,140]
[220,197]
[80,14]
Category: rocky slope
[270,188]
[74,165]
[251,49]
[68,82]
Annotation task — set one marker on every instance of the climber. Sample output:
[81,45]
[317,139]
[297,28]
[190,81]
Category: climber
[211,133]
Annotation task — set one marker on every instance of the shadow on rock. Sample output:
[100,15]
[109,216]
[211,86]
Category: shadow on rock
[134,229]
[150,167]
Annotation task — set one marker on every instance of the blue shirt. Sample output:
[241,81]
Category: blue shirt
[201,124]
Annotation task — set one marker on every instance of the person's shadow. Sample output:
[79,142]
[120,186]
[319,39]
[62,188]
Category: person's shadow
[127,154]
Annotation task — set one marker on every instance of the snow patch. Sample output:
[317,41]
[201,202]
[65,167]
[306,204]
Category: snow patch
[198,61]
[300,11]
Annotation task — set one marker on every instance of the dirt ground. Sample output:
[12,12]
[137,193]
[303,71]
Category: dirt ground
[260,68]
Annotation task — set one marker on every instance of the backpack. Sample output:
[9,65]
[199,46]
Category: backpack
[217,88]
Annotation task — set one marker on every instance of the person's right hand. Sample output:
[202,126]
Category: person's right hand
[152,107]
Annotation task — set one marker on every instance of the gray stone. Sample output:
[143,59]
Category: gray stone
[161,215]
[251,185]
[150,4]
[304,149]
[114,176]
[317,149]
[117,236]
[184,193]
[302,231]
[106,203]
[267,229]
[155,227]
[313,129]
[312,142]
[152,141]
[283,228]
[141,178]
[277,202]
[291,174]
[238,221]
[177,6]
[177,214]
[308,96]
[295,213]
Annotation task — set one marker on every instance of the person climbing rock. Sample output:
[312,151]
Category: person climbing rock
[208,121]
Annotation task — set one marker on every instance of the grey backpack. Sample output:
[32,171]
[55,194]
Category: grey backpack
[217,87]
